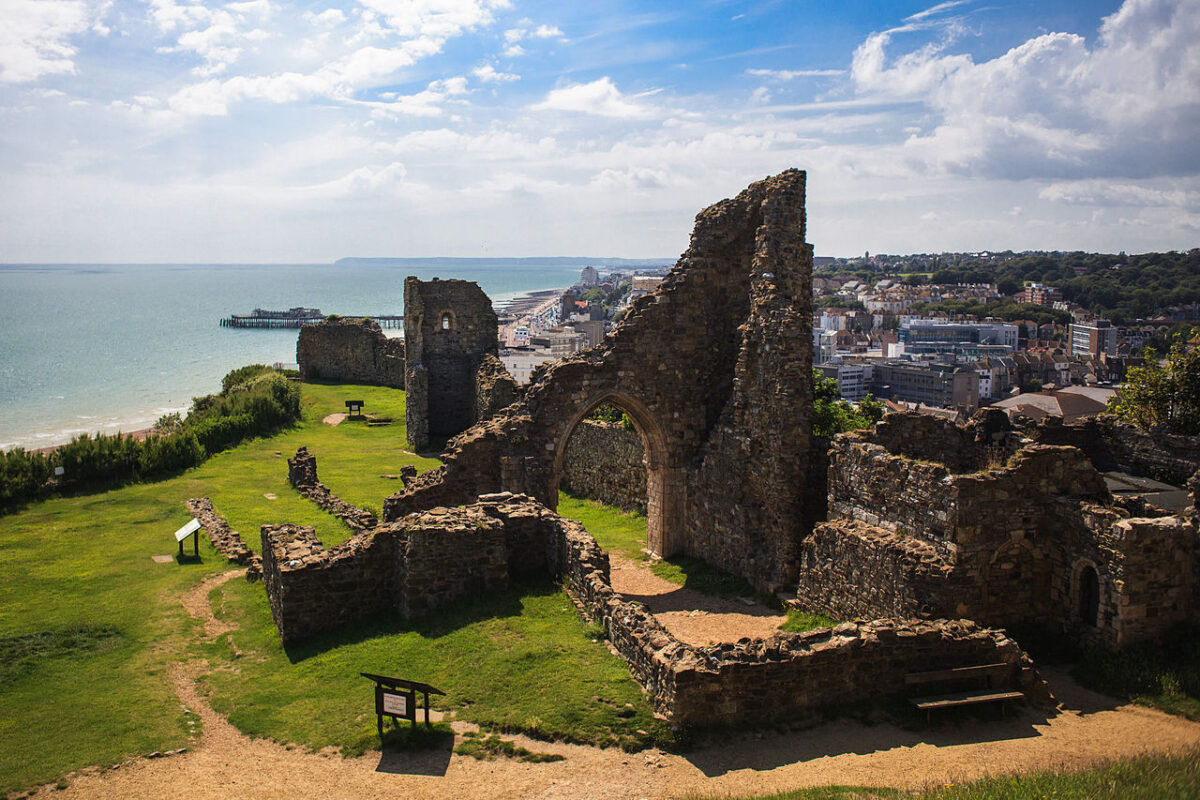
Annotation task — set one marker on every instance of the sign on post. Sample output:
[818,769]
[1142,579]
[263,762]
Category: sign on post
[396,698]
[190,529]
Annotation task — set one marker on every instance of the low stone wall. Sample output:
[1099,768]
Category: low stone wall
[892,575]
[302,474]
[313,590]
[449,553]
[605,462]
[1113,444]
[350,350]
[227,541]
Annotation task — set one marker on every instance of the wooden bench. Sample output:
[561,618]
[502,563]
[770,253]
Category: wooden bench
[982,676]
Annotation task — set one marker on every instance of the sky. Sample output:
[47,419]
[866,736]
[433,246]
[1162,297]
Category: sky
[260,131]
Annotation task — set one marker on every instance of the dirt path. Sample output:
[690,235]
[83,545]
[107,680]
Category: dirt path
[224,763]
[695,618]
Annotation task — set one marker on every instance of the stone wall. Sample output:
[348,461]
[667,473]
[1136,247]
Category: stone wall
[495,389]
[350,350]
[302,474]
[1113,444]
[1021,544]
[449,329]
[605,462]
[225,540]
[714,369]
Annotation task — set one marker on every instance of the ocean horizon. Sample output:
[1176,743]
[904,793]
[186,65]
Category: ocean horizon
[102,348]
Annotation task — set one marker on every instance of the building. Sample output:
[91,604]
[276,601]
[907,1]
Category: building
[941,385]
[589,276]
[919,332]
[853,379]
[824,344]
[1040,295]
[1093,338]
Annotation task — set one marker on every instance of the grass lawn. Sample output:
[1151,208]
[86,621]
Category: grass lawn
[77,571]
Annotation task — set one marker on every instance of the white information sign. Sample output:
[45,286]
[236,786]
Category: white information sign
[395,704]
[187,530]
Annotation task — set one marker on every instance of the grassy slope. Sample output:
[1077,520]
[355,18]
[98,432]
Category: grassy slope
[86,561]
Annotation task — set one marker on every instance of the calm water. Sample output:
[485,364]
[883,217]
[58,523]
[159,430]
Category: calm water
[113,347]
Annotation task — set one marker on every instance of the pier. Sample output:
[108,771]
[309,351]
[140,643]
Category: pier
[296,317]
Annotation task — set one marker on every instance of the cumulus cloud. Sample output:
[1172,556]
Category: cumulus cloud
[35,37]
[488,74]
[1052,107]
[600,97]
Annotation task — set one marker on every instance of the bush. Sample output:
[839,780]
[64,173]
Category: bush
[254,400]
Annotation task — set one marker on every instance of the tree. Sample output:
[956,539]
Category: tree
[1167,395]
[833,415]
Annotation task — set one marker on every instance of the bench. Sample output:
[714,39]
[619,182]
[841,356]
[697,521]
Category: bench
[982,677]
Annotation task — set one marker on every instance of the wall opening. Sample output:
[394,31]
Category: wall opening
[447,321]
[663,484]
[1089,596]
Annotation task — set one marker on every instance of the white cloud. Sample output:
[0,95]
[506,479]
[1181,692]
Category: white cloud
[488,74]
[1107,193]
[35,37]
[514,51]
[327,18]
[935,10]
[1051,107]
[600,97]
[792,74]
[546,32]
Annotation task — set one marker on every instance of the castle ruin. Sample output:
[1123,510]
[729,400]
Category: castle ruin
[352,350]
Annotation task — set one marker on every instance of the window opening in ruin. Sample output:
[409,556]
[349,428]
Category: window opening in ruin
[1089,596]
[447,321]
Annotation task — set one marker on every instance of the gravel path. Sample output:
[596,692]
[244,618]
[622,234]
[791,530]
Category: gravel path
[224,763]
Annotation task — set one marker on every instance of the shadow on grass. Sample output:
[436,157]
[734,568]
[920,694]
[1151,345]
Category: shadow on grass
[415,749]
[444,621]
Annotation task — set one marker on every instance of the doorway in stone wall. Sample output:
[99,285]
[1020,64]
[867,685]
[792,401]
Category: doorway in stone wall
[613,452]
[1089,596]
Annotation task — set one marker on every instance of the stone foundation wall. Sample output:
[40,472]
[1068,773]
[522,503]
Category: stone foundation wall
[1113,444]
[350,350]
[227,541]
[302,474]
[447,555]
[606,462]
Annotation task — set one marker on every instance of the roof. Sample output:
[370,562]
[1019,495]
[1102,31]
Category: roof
[1063,403]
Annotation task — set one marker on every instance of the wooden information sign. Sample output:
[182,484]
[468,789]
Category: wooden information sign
[191,529]
[396,698]
[354,407]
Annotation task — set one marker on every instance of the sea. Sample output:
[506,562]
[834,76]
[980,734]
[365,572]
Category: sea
[88,348]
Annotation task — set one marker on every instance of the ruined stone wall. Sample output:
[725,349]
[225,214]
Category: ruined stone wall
[302,474]
[714,369]
[448,555]
[1154,569]
[350,350]
[313,590]
[449,328]
[227,541]
[853,570]
[605,462]
[495,389]
[927,438]
[1113,444]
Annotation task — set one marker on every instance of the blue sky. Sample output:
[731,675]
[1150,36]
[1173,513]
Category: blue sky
[280,131]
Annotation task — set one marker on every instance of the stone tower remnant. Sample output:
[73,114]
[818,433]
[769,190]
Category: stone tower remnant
[450,329]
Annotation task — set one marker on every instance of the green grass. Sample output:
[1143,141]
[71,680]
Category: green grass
[1163,674]
[801,621]
[518,661]
[1161,777]
[82,564]
[488,748]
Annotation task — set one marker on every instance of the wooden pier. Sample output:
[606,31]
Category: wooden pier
[297,317]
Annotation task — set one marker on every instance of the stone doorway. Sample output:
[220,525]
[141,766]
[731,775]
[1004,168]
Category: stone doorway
[664,483]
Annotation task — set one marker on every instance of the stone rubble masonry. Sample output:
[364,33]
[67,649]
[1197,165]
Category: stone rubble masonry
[1005,544]
[713,368]
[495,389]
[350,350]
[227,541]
[302,474]
[450,328]
[425,560]
[1112,444]
[605,462]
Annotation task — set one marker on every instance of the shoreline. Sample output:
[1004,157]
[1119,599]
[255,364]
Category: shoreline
[47,450]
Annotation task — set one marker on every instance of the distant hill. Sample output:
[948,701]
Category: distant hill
[505,262]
